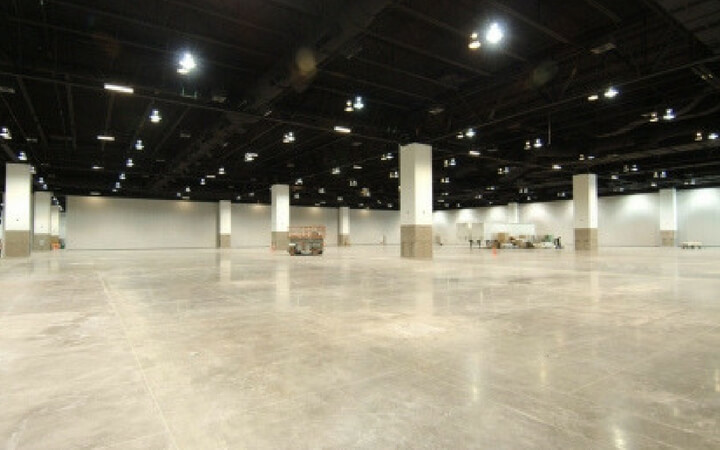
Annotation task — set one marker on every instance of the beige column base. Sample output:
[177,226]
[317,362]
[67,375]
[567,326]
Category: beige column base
[586,239]
[16,244]
[279,240]
[416,241]
[41,242]
[224,241]
[343,240]
[667,238]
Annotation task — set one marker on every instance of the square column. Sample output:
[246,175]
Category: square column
[585,211]
[668,217]
[343,226]
[41,221]
[18,200]
[513,212]
[55,225]
[416,201]
[280,216]
[224,224]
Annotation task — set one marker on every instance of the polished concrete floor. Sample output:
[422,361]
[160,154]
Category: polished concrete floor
[204,349]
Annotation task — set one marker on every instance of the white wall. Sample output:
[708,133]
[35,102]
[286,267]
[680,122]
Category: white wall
[629,221]
[121,223]
[699,215]
[445,222]
[553,218]
[369,226]
[250,225]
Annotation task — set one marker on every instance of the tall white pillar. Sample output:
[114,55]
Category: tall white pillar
[42,205]
[416,201]
[55,225]
[280,216]
[668,217]
[224,224]
[585,207]
[513,212]
[343,226]
[18,200]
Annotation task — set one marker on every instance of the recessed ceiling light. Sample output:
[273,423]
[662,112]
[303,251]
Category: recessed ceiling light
[593,98]
[357,167]
[119,88]
[96,167]
[475,153]
[106,138]
[556,166]
[210,176]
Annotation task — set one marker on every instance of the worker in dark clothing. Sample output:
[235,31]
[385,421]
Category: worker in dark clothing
[557,243]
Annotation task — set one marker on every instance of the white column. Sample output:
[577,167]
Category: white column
[585,211]
[18,200]
[224,224]
[416,200]
[42,206]
[668,217]
[280,216]
[344,226]
[513,212]
[55,225]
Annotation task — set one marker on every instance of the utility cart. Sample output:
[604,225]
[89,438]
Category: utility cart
[307,241]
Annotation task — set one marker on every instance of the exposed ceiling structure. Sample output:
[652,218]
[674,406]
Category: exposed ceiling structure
[508,121]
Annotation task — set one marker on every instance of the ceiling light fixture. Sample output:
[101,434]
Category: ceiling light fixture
[611,92]
[106,138]
[96,167]
[394,174]
[299,182]
[556,166]
[528,145]
[470,133]
[250,157]
[155,116]
[221,171]
[654,117]
[187,188]
[538,143]
[593,98]
[352,182]
[669,114]
[186,64]
[122,176]
[22,156]
[342,129]
[712,136]
[119,88]
[474,153]
[117,185]
[129,162]
[202,181]
[357,167]
[288,138]
[494,33]
[5,133]
[321,190]
[349,106]
[335,171]
[139,145]
[359,104]
[474,43]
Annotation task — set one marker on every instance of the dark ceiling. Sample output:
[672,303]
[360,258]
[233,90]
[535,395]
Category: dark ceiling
[269,67]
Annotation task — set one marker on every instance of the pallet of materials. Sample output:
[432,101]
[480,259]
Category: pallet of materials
[306,241]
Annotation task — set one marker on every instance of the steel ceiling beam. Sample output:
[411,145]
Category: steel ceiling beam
[427,54]
[523,18]
[447,27]
[384,87]
[607,12]
[165,29]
